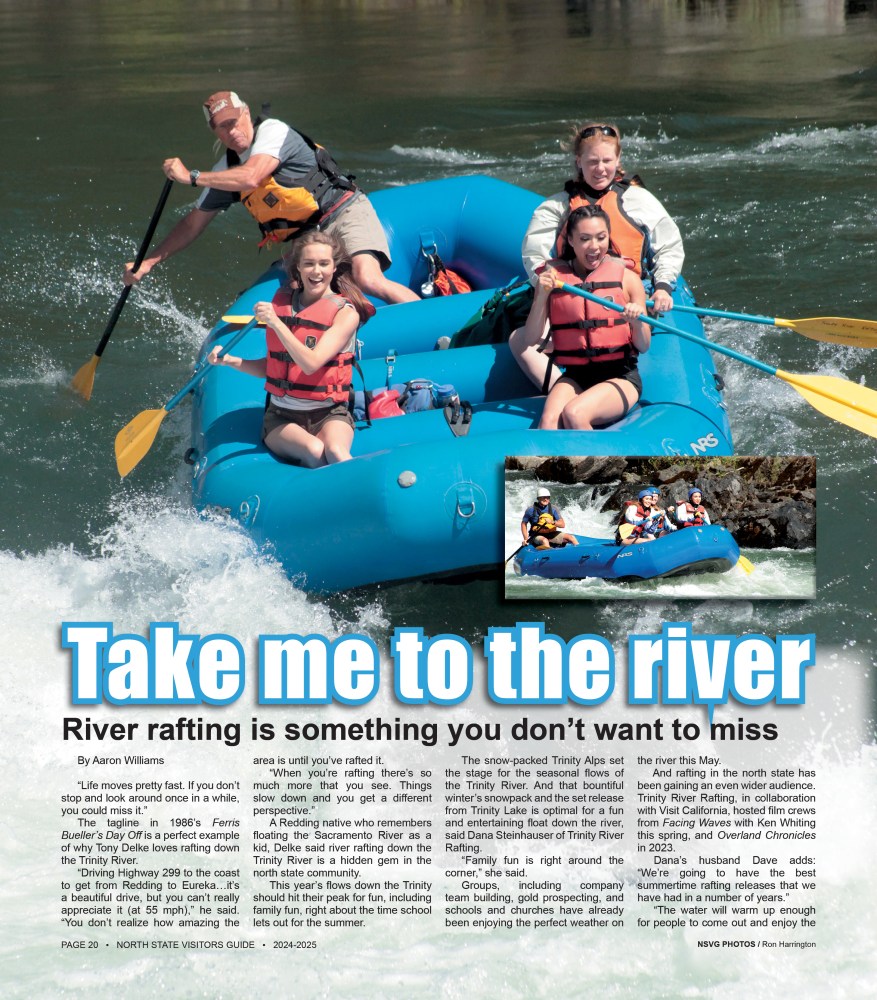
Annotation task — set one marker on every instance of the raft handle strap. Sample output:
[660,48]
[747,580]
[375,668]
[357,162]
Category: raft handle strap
[390,361]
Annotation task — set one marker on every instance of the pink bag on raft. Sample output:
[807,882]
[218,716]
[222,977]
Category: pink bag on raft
[385,404]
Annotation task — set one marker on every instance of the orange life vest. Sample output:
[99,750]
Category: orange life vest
[285,212]
[584,332]
[283,377]
[629,239]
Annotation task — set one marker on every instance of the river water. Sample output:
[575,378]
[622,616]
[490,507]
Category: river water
[754,121]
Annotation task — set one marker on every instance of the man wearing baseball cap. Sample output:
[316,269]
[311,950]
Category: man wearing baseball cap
[289,184]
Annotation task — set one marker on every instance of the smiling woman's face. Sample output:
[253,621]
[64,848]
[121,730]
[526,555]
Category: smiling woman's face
[598,164]
[315,268]
[590,243]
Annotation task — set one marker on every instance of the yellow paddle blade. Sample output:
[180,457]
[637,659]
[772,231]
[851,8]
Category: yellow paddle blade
[848,402]
[745,564]
[83,380]
[625,530]
[835,330]
[135,439]
[235,320]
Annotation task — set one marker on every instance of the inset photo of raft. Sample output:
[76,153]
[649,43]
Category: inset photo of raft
[604,528]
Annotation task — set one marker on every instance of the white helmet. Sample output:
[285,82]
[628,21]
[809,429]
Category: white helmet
[542,493]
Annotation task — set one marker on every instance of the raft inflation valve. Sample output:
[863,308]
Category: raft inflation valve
[406,479]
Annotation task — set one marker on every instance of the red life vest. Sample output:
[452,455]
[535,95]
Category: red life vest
[583,332]
[283,377]
[697,513]
[629,239]
[640,512]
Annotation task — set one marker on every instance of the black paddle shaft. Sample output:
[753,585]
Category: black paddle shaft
[141,253]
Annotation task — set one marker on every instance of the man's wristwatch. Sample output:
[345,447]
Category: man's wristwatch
[193,177]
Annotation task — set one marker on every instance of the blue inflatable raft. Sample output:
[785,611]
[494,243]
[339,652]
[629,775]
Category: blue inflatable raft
[707,549]
[423,495]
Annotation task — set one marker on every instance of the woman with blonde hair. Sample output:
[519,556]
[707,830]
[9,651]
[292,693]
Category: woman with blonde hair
[642,231]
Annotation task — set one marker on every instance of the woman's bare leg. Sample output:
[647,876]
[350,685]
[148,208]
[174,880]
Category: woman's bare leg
[600,405]
[562,395]
[292,441]
[337,436]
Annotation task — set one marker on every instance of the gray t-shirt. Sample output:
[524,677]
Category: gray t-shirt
[276,139]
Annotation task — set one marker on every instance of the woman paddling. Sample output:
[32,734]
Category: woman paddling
[642,229]
[597,348]
[310,330]
[637,520]
[664,517]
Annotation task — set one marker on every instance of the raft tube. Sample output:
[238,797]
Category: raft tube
[707,549]
[424,493]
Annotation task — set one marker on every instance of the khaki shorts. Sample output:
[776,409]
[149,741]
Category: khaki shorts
[309,420]
[358,226]
[555,541]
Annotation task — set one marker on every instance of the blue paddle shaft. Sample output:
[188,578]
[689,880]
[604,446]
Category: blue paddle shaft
[659,325]
[720,314]
[206,366]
